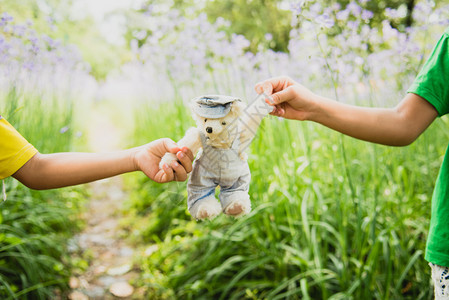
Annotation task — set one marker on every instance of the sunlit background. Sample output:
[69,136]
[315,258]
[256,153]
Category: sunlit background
[333,217]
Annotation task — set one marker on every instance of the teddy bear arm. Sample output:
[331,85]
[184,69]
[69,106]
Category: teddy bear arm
[246,137]
[249,126]
[250,122]
[248,130]
[254,114]
[191,140]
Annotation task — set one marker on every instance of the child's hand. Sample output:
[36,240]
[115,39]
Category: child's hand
[148,158]
[291,99]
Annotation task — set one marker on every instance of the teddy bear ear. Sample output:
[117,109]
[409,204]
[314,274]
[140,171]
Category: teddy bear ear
[198,120]
[191,106]
[237,107]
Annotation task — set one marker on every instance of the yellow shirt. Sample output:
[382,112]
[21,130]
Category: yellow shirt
[15,150]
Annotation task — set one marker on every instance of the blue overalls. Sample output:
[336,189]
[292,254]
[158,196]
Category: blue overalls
[222,167]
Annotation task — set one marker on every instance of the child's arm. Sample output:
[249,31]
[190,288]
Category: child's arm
[45,171]
[398,126]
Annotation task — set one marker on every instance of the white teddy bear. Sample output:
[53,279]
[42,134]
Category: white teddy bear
[225,128]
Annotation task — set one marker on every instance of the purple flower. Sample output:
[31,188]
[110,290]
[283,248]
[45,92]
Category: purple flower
[28,65]
[51,43]
[33,39]
[315,8]
[5,19]
[35,48]
[392,13]
[64,129]
[354,8]
[19,30]
[7,28]
[296,8]
[141,34]
[367,15]
[50,21]
[4,46]
[388,31]
[148,10]
[353,25]
[325,21]
[336,7]
[240,41]
[342,15]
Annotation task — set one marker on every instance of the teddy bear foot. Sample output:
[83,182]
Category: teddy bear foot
[238,208]
[206,209]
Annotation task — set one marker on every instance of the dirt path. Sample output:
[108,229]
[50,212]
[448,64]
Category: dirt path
[110,274]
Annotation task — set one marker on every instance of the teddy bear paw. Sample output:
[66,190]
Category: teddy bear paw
[204,213]
[206,209]
[168,158]
[238,208]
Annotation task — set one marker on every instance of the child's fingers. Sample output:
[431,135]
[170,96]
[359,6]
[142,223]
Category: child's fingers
[264,87]
[273,85]
[185,161]
[269,100]
[283,96]
[277,111]
[188,152]
[180,172]
[258,87]
[170,145]
[169,175]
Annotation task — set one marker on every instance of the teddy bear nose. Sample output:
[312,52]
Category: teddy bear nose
[209,129]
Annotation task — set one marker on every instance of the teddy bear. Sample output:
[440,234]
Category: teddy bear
[225,129]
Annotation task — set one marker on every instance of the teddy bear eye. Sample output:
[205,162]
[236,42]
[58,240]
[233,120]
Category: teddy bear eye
[223,123]
[205,120]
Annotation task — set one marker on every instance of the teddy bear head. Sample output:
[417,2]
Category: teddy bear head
[216,116]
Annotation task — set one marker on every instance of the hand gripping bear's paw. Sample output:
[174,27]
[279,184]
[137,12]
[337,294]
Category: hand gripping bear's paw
[168,158]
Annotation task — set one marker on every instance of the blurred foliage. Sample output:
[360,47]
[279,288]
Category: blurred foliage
[54,17]
[267,23]
[102,56]
[310,235]
[262,22]
[35,226]
[40,79]
[254,19]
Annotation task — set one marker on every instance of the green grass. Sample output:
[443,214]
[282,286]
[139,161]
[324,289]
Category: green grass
[333,218]
[36,225]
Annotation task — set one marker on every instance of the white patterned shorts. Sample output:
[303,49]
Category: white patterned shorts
[440,278]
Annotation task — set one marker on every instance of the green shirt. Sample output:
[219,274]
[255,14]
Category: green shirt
[432,83]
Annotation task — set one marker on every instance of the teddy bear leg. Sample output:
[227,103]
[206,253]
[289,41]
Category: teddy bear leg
[236,203]
[206,208]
